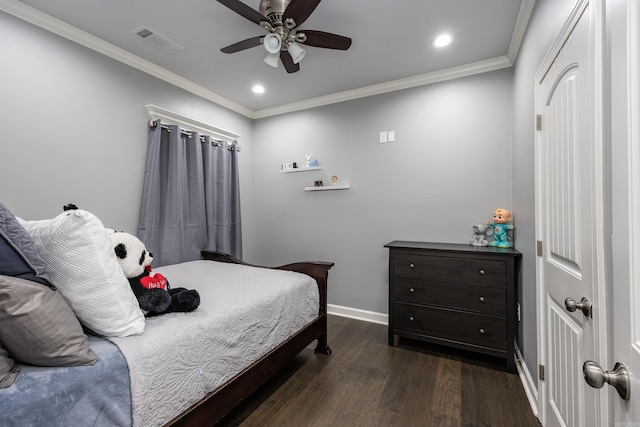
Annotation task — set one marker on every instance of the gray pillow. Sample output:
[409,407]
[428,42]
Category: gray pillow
[38,327]
[8,369]
[18,254]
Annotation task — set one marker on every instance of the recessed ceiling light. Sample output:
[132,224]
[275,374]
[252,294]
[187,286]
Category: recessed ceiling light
[442,41]
[258,89]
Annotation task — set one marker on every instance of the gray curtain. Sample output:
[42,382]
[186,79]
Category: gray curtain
[190,198]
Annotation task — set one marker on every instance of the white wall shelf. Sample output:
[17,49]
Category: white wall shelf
[311,168]
[328,188]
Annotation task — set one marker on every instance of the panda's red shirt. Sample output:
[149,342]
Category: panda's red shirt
[157,281]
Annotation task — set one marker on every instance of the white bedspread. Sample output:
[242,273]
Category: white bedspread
[244,313]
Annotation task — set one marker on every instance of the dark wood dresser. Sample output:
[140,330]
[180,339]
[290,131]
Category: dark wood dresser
[456,295]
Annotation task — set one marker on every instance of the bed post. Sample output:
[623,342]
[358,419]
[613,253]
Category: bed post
[320,272]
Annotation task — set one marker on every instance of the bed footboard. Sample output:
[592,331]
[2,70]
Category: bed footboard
[213,407]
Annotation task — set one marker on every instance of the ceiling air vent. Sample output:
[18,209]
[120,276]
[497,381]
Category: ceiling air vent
[159,41]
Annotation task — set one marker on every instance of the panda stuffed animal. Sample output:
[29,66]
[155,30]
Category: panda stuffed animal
[153,292]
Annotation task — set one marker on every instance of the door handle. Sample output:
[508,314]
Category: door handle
[584,305]
[595,376]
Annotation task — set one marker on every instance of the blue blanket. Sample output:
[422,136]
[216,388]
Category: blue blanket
[82,396]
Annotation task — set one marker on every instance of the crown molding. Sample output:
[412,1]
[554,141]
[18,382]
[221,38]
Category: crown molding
[419,80]
[519,29]
[61,28]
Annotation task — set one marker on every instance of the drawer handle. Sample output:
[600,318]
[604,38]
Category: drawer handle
[411,319]
[481,299]
[482,331]
[411,290]
[481,272]
[412,265]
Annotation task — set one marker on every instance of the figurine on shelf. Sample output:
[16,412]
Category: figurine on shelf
[480,233]
[311,161]
[334,180]
[501,227]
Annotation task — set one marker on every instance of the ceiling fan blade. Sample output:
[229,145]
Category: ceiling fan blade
[326,40]
[287,61]
[300,10]
[244,44]
[244,10]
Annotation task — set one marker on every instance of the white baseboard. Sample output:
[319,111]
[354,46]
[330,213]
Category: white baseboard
[530,388]
[356,313]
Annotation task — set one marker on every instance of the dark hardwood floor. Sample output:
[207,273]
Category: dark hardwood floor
[364,382]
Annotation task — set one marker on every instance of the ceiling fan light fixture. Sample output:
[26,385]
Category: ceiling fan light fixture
[281,19]
[272,59]
[273,43]
[297,52]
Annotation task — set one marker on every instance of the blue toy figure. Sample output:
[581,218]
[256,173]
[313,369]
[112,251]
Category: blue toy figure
[501,227]
[311,161]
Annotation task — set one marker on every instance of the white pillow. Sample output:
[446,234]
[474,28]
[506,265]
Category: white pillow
[81,263]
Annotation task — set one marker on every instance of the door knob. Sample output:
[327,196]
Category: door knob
[584,305]
[595,376]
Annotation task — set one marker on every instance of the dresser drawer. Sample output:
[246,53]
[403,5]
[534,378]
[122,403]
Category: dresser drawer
[461,270]
[480,299]
[451,325]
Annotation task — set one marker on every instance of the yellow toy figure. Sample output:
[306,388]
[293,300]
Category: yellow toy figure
[501,227]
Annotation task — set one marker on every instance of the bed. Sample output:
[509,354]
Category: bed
[185,369]
[242,360]
[220,401]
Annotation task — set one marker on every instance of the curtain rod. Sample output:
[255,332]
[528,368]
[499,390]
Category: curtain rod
[217,142]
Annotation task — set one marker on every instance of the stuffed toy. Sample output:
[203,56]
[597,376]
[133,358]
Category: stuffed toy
[480,233]
[501,226]
[153,292]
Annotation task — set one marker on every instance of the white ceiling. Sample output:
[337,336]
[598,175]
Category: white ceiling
[391,46]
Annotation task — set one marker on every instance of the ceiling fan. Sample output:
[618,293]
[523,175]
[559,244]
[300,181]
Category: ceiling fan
[282,19]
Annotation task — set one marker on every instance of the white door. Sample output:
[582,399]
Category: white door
[625,123]
[568,199]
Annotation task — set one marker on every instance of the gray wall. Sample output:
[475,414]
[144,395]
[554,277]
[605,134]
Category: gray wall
[544,27]
[448,169]
[73,128]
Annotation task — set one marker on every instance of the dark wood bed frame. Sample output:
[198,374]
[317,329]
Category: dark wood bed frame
[218,403]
